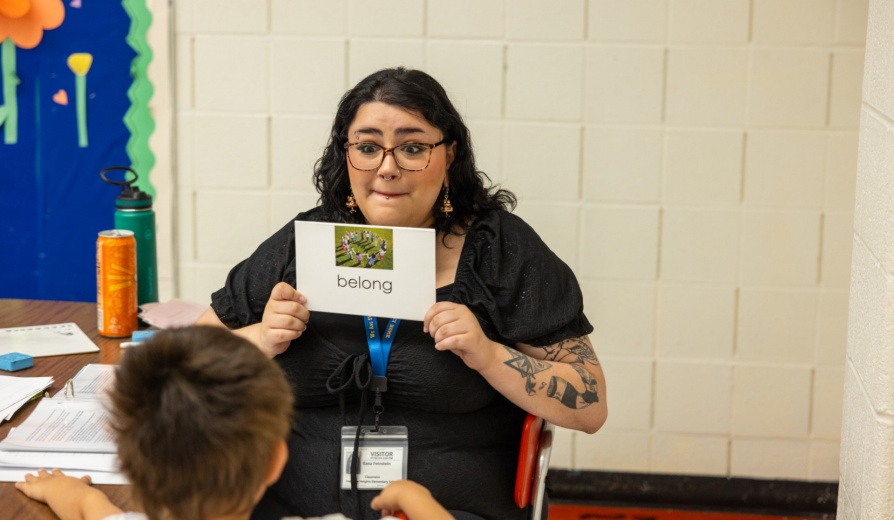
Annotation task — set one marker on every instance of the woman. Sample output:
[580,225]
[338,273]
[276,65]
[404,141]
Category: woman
[506,337]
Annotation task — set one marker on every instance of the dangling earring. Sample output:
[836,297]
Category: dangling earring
[446,207]
[350,204]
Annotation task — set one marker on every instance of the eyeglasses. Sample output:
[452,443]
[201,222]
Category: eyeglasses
[412,157]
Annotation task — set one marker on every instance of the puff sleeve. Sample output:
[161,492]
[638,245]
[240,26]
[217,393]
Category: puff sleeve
[241,301]
[518,288]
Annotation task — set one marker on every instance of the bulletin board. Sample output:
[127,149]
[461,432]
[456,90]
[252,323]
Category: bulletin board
[74,99]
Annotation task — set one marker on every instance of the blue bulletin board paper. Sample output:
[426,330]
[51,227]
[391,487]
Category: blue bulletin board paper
[74,93]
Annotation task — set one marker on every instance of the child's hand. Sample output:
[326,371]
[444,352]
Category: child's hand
[396,495]
[47,484]
[69,497]
[407,499]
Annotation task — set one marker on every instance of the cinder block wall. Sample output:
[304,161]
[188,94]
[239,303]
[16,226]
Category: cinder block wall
[692,160]
[867,444]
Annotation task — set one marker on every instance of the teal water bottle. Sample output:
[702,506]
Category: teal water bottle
[133,211]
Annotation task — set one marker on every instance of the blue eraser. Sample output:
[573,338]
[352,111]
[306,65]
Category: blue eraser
[15,361]
[142,335]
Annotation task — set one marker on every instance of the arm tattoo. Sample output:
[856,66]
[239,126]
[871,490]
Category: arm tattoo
[566,394]
[572,350]
[527,367]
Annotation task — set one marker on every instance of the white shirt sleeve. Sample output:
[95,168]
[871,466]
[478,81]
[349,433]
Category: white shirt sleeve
[128,515]
[334,516]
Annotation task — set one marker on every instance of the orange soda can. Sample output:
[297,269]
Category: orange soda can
[116,283]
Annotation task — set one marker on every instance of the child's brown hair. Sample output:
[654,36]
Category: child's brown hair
[197,413]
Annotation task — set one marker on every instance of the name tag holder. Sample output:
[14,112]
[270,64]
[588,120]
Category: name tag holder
[383,455]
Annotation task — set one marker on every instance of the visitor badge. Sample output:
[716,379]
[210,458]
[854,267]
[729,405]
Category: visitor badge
[382,453]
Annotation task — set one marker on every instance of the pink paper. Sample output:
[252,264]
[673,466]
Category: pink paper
[173,313]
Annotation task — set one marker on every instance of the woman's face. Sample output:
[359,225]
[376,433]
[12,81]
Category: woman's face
[388,195]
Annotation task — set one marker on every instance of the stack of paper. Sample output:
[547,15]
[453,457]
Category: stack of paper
[16,391]
[69,432]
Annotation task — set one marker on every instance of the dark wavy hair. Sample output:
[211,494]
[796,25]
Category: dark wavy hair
[471,191]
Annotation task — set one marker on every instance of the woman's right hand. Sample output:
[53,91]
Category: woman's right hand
[285,319]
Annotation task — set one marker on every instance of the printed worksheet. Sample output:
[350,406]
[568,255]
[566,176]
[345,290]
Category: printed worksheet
[91,381]
[70,425]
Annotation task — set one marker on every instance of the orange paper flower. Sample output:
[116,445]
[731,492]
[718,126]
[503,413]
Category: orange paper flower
[25,20]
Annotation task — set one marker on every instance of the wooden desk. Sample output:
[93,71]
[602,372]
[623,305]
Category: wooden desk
[17,313]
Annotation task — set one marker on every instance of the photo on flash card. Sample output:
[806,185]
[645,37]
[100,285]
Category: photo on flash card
[364,247]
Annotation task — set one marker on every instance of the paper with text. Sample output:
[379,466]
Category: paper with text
[365,270]
[69,425]
[92,380]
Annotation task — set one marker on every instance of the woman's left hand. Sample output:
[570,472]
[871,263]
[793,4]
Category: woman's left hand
[455,328]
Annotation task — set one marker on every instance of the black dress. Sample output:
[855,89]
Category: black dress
[463,435]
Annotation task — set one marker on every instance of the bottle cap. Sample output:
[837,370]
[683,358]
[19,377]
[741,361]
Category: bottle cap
[133,198]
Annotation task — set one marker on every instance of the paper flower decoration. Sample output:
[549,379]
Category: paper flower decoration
[24,21]
[79,63]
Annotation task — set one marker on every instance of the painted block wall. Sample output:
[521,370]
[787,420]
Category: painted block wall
[866,487]
[694,162]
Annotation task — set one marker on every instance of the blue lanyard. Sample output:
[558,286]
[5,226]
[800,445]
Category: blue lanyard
[380,347]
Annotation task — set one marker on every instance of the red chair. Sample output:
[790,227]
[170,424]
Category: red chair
[533,464]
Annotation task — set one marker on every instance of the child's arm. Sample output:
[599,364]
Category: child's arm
[412,499]
[70,498]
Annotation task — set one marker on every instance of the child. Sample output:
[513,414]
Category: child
[200,417]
